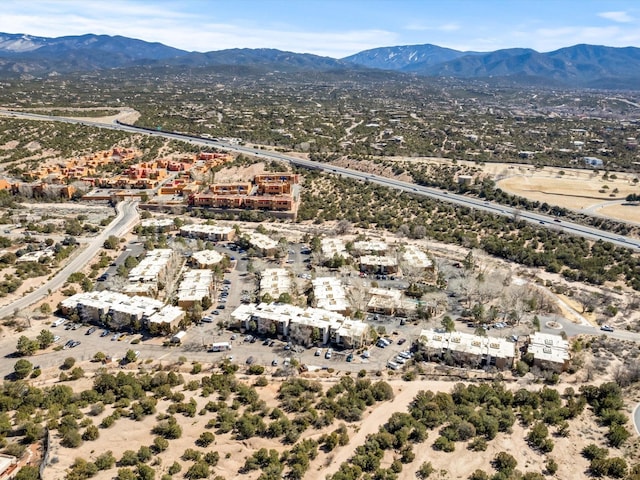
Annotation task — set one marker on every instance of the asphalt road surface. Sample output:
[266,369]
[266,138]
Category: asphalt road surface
[545,221]
[126,219]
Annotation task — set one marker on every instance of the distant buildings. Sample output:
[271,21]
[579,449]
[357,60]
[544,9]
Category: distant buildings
[269,192]
[332,247]
[214,233]
[378,264]
[593,162]
[205,258]
[263,244]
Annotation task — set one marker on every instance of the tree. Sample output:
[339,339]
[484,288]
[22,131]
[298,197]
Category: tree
[448,324]
[28,472]
[111,243]
[504,462]
[145,472]
[160,444]
[91,433]
[45,308]
[45,338]
[99,357]
[26,347]
[425,470]
[22,368]
[199,469]
[68,363]
[105,461]
[130,356]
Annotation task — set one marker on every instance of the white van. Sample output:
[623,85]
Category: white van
[393,365]
[58,322]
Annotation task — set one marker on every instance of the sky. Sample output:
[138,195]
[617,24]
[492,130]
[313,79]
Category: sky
[335,28]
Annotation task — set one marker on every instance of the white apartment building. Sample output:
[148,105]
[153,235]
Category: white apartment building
[275,282]
[330,294]
[214,233]
[195,286]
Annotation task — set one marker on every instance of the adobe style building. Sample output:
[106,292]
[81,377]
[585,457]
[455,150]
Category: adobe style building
[268,192]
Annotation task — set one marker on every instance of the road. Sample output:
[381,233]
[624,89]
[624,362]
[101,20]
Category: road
[545,221]
[573,329]
[126,219]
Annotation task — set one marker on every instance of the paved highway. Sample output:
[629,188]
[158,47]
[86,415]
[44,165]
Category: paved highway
[545,221]
[126,219]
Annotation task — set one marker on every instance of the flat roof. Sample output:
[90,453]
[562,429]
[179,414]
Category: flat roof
[476,345]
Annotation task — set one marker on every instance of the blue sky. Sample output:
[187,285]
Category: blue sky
[335,28]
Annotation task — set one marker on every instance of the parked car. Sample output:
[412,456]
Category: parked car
[328,354]
[208,319]
[274,362]
[91,330]
[104,333]
[350,357]
[318,352]
[250,360]
[401,341]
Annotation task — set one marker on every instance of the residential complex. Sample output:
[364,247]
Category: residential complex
[118,311]
[195,286]
[304,326]
[153,272]
[468,349]
[329,294]
[274,282]
[215,233]
[332,247]
[550,352]
[271,192]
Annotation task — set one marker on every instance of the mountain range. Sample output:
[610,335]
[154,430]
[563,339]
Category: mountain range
[576,66]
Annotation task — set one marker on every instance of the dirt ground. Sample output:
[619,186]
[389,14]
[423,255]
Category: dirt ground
[574,188]
[127,434]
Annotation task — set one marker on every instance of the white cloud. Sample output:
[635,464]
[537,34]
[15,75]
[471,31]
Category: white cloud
[421,27]
[449,27]
[620,17]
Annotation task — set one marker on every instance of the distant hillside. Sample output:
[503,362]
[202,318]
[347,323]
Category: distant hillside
[577,66]
[404,57]
[40,56]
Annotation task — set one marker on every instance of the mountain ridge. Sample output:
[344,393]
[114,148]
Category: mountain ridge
[580,65]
